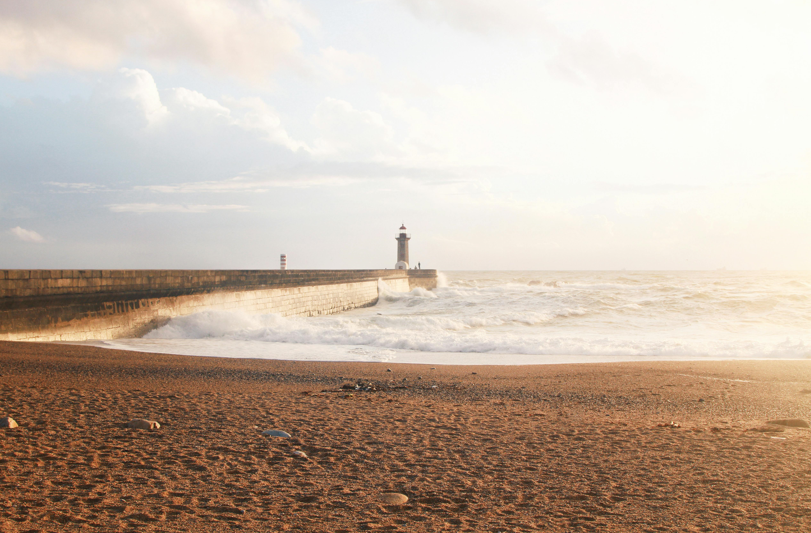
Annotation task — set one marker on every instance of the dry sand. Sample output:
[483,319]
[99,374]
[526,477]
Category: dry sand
[533,448]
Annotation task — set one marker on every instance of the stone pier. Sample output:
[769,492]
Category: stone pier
[77,305]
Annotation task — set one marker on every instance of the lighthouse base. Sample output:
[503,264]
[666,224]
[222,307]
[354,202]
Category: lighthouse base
[401,265]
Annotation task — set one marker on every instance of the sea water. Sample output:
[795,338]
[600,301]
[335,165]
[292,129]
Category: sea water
[503,318]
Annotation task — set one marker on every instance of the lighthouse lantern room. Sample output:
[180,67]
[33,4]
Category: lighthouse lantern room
[402,248]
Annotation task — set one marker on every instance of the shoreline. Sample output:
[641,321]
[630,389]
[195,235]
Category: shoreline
[294,353]
[475,448]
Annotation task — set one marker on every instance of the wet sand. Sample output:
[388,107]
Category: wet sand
[531,448]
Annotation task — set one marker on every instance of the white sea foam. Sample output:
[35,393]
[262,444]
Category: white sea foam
[532,317]
[387,294]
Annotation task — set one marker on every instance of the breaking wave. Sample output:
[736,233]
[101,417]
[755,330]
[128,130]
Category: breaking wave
[604,314]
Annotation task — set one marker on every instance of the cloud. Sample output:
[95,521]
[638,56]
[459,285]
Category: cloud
[76,187]
[326,173]
[139,86]
[312,175]
[579,58]
[591,60]
[250,114]
[105,144]
[27,235]
[341,66]
[481,16]
[248,39]
[653,188]
[346,131]
[240,184]
[195,101]
[256,115]
[172,208]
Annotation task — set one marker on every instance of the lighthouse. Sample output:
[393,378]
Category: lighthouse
[402,248]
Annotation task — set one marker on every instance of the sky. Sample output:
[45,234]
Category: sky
[505,134]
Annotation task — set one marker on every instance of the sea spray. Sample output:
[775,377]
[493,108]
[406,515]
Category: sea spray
[387,294]
[503,317]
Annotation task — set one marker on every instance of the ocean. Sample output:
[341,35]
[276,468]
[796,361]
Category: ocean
[510,318]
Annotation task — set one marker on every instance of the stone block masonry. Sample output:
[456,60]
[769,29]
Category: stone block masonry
[77,305]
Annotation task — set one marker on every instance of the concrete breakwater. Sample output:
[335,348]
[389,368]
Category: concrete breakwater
[76,305]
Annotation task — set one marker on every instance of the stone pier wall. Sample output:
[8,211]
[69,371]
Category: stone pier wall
[76,305]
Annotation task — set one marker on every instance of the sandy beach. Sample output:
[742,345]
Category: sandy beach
[669,446]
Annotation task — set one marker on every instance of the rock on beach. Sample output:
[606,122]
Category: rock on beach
[142,423]
[790,422]
[276,433]
[393,498]
[8,422]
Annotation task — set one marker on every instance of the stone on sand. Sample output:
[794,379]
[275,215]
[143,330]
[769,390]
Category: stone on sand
[761,429]
[393,498]
[299,453]
[790,422]
[8,422]
[276,433]
[142,423]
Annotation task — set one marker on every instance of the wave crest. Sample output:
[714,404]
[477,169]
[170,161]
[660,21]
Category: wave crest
[387,294]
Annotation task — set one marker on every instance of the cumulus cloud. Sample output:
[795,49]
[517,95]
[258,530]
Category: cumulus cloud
[139,86]
[247,38]
[254,114]
[128,98]
[250,114]
[346,131]
[172,208]
[195,101]
[26,235]
[180,104]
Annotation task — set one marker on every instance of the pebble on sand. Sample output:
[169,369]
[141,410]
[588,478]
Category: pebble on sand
[790,422]
[276,433]
[299,453]
[8,422]
[142,423]
[393,498]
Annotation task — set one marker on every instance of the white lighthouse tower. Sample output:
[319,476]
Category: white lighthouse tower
[402,248]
